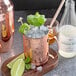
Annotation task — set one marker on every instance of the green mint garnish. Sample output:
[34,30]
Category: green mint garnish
[24,28]
[27,66]
[27,60]
[36,20]
[33,20]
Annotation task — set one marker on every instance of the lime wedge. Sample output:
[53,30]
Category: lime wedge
[18,68]
[10,64]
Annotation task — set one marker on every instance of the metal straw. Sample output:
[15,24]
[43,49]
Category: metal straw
[53,20]
[57,13]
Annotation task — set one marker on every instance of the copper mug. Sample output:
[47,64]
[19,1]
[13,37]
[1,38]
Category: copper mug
[37,48]
[6,37]
[6,25]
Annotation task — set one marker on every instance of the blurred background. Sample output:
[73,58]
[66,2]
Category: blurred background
[35,4]
[47,7]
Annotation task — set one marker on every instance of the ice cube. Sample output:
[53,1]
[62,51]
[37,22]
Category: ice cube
[36,33]
[39,68]
[44,28]
[33,66]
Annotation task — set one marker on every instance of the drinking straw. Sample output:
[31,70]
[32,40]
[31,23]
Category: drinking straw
[53,20]
[57,13]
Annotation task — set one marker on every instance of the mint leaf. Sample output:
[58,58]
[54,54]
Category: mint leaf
[37,14]
[29,19]
[41,19]
[24,28]
[27,66]
[36,20]
[27,60]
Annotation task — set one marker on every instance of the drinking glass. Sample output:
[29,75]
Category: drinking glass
[53,33]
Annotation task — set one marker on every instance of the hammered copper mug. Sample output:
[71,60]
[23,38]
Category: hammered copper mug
[37,48]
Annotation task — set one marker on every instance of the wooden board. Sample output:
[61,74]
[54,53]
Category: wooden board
[51,64]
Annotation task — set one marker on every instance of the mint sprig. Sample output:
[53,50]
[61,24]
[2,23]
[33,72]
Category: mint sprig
[24,28]
[36,20]
[27,60]
[28,66]
[27,63]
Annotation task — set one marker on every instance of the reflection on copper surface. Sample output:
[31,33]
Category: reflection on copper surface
[0,59]
[12,52]
[6,31]
[0,46]
[6,46]
[37,48]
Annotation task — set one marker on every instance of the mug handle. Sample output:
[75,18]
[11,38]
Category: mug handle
[56,41]
[57,46]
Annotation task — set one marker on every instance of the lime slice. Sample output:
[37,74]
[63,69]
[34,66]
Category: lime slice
[18,68]
[10,64]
